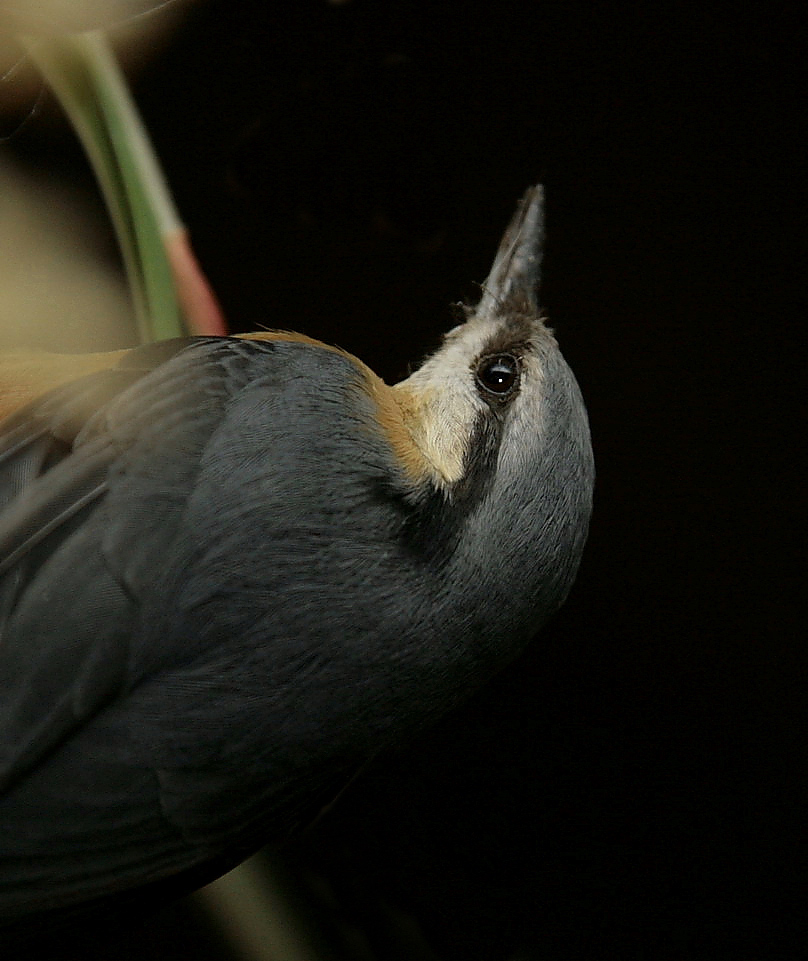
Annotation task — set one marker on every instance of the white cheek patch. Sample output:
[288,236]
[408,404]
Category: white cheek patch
[440,418]
[441,403]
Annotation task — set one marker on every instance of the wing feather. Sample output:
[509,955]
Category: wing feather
[58,459]
[98,538]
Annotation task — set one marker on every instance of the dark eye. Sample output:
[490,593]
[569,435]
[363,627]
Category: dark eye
[499,374]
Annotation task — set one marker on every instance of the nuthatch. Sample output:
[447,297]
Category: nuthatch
[233,570]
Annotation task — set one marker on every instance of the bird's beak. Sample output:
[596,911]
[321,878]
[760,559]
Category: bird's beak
[514,277]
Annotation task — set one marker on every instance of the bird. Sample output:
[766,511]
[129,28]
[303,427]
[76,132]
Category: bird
[236,570]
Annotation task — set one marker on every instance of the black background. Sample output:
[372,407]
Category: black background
[634,787]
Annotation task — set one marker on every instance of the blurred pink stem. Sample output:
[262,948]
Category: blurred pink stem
[200,307]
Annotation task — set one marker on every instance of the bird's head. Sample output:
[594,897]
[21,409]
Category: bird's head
[489,370]
[497,416]
[496,442]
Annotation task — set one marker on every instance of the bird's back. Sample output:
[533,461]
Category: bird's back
[134,502]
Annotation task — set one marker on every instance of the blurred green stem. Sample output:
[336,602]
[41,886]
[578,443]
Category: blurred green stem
[84,75]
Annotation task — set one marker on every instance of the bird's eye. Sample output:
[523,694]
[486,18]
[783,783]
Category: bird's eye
[498,375]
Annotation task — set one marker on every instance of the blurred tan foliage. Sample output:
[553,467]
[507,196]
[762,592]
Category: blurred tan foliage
[58,288]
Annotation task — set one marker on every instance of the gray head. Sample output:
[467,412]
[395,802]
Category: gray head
[498,418]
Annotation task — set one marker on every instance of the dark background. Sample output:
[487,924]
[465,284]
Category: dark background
[635,786]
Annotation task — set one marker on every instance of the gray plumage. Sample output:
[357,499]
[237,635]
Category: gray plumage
[226,582]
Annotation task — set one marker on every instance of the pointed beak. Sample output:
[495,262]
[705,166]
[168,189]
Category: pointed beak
[514,278]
